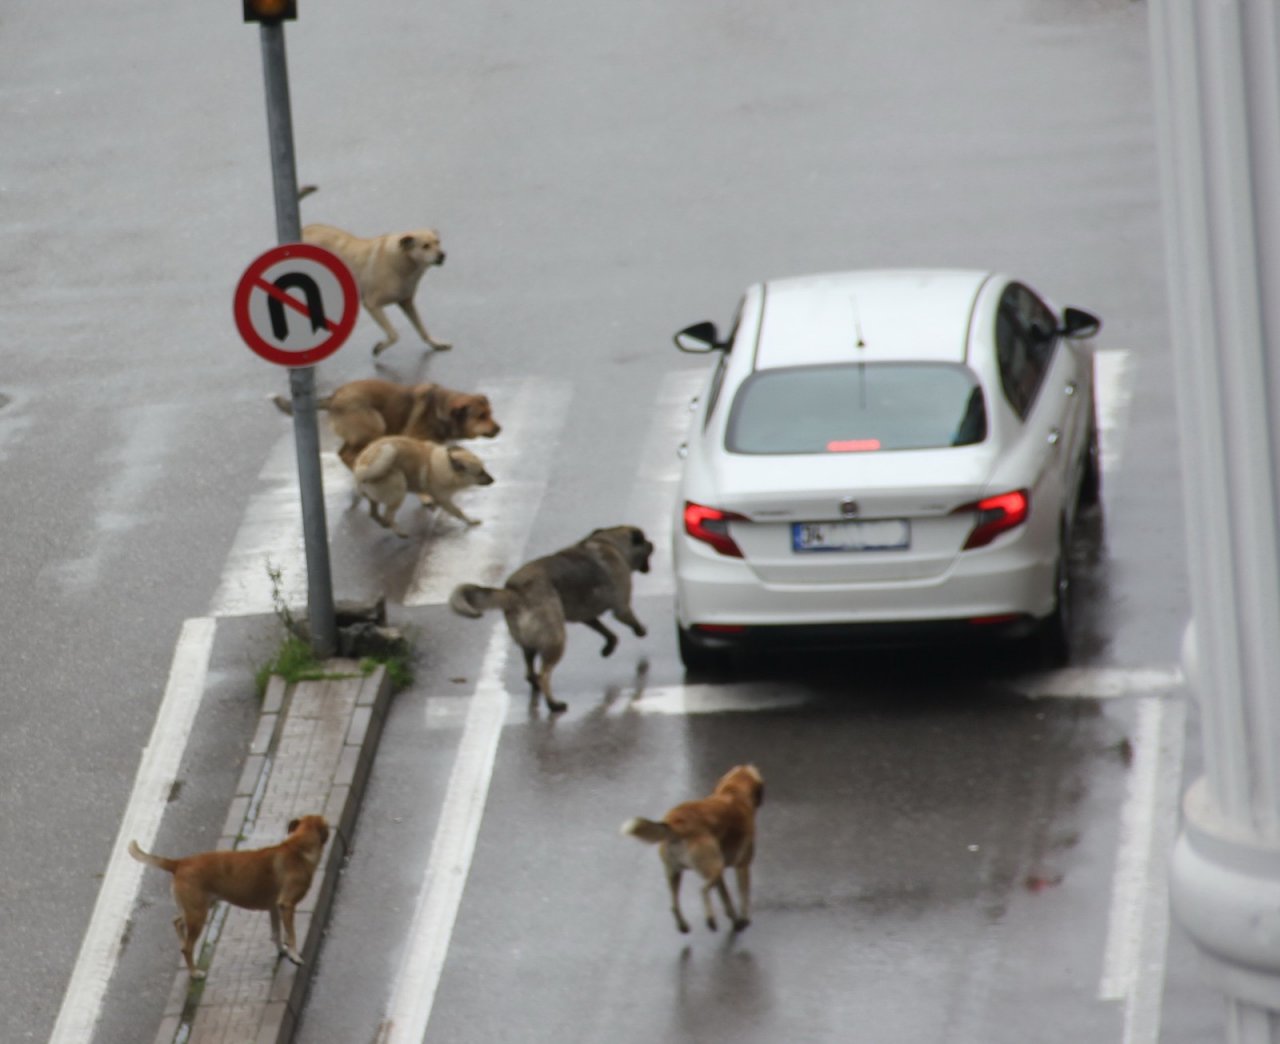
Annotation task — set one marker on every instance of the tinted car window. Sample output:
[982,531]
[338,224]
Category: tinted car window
[857,408]
[1026,335]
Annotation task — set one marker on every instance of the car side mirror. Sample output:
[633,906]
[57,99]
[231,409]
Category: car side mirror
[1076,322]
[699,339]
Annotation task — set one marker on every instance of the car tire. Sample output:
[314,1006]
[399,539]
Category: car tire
[698,658]
[1091,480]
[1053,634]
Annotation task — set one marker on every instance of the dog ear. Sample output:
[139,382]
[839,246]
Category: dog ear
[293,825]
[406,243]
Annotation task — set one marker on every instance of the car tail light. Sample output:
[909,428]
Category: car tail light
[711,526]
[996,515]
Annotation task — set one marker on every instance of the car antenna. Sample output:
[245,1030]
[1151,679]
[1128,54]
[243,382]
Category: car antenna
[859,343]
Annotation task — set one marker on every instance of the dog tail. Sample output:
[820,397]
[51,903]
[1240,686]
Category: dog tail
[377,465]
[153,860]
[474,601]
[648,830]
[285,406]
[305,190]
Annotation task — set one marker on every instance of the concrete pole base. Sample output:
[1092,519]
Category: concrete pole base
[1225,890]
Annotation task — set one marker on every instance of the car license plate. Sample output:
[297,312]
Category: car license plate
[886,534]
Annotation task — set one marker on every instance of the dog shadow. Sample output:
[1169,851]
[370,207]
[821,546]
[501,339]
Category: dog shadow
[597,740]
[721,991]
[614,696]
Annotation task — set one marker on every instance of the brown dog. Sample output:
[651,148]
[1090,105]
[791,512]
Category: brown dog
[361,411]
[273,879]
[709,835]
[576,585]
[387,270]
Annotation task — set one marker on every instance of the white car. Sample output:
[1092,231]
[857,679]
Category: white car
[885,454]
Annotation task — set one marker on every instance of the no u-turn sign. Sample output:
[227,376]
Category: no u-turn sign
[296,304]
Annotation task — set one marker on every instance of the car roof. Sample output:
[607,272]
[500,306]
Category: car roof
[896,314]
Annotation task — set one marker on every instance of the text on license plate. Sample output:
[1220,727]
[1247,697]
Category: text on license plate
[885,534]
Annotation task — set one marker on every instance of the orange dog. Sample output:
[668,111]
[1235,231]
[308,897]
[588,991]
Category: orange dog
[273,879]
[710,835]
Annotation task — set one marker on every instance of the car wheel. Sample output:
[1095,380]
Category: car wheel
[698,658]
[1091,481]
[1053,635]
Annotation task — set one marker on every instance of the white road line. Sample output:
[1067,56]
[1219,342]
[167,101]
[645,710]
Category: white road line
[537,413]
[1138,924]
[161,759]
[1099,683]
[271,534]
[532,412]
[651,503]
[1113,383]
[413,994]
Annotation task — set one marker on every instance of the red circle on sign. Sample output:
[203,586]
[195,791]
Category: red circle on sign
[252,282]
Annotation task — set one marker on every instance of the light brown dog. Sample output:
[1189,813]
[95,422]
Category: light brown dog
[387,270]
[391,467]
[274,879]
[364,410]
[709,835]
[576,584]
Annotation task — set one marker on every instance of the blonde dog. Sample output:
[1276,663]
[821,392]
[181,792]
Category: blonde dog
[274,879]
[364,410]
[710,835]
[389,468]
[387,270]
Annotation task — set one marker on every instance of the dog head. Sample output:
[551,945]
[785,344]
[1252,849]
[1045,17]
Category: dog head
[468,469]
[631,541]
[745,780]
[315,827]
[423,247]
[471,416]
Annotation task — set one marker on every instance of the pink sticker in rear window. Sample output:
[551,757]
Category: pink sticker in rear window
[852,445]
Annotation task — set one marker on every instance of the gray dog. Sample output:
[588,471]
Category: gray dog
[574,585]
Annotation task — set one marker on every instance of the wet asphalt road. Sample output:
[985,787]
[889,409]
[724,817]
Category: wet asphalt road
[939,851]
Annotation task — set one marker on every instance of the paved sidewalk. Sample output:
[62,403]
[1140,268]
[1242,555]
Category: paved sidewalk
[312,753]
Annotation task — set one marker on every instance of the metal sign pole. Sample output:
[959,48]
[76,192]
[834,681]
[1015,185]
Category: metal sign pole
[323,625]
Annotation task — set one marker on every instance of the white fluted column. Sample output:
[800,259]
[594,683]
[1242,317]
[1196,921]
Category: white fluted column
[1217,96]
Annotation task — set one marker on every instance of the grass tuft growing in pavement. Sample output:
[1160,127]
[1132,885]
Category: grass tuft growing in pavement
[294,661]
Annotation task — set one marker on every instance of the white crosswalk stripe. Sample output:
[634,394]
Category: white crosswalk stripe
[652,498]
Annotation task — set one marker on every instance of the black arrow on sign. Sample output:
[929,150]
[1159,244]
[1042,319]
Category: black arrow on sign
[314,307]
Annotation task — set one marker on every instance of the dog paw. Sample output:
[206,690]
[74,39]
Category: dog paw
[608,648]
[441,346]
[556,706]
[740,924]
[295,958]
[711,924]
[198,975]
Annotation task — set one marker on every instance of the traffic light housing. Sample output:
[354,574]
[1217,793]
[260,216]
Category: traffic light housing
[270,11]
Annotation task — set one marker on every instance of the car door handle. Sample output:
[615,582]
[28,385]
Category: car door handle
[1055,436]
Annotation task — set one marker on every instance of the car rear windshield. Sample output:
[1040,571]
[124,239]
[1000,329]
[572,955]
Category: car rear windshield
[859,407]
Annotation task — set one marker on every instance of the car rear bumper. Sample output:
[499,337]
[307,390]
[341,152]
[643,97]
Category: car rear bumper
[986,590]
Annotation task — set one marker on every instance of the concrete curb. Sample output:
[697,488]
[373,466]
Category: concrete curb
[312,752]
